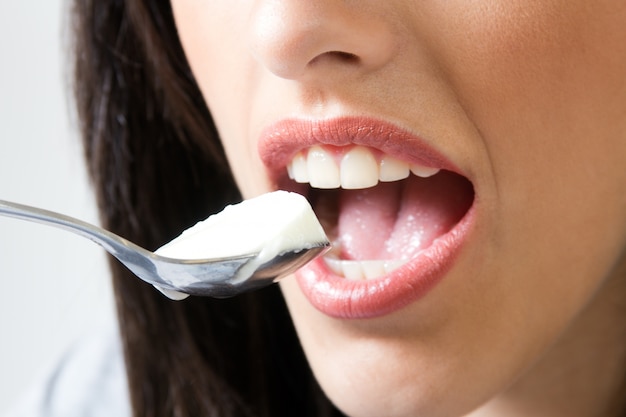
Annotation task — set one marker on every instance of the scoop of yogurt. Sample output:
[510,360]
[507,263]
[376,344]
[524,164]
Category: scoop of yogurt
[268,225]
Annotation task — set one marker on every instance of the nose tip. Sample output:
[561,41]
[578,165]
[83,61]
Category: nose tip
[296,39]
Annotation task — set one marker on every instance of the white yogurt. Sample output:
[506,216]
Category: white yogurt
[269,225]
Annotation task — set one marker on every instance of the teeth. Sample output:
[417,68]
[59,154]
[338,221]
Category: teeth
[362,270]
[357,169]
[322,169]
[424,172]
[392,169]
[298,170]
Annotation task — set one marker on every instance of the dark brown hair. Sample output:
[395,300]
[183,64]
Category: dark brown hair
[157,166]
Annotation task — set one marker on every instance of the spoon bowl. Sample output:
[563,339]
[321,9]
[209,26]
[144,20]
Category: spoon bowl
[213,277]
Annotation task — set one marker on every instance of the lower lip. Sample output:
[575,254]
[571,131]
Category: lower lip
[339,297]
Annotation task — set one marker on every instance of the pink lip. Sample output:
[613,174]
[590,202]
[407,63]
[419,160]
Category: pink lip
[336,296]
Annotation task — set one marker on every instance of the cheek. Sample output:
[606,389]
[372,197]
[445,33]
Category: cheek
[511,61]
[545,85]
[209,50]
[213,36]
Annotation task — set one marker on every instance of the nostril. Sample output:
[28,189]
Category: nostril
[336,56]
[345,56]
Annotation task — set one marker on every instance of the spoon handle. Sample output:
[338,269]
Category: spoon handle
[124,250]
[111,242]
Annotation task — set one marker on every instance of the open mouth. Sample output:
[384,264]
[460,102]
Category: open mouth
[378,211]
[396,211]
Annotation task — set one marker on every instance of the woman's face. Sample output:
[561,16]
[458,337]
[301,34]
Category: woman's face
[447,288]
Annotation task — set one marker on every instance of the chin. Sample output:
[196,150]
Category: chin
[414,362]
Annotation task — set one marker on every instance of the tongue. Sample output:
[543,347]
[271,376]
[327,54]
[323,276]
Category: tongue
[396,220]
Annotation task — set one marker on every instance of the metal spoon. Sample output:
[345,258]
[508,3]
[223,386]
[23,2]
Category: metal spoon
[205,277]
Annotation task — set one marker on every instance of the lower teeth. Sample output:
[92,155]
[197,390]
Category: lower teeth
[362,270]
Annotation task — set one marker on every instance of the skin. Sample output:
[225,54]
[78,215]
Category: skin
[529,100]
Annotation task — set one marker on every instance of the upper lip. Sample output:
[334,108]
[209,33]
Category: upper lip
[279,142]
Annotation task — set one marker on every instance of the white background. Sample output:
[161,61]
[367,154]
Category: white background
[54,285]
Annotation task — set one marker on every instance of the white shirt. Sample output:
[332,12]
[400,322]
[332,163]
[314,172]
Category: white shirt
[89,380]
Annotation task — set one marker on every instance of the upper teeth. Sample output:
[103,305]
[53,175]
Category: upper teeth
[358,168]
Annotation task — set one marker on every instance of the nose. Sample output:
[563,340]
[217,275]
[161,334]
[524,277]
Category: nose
[303,39]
